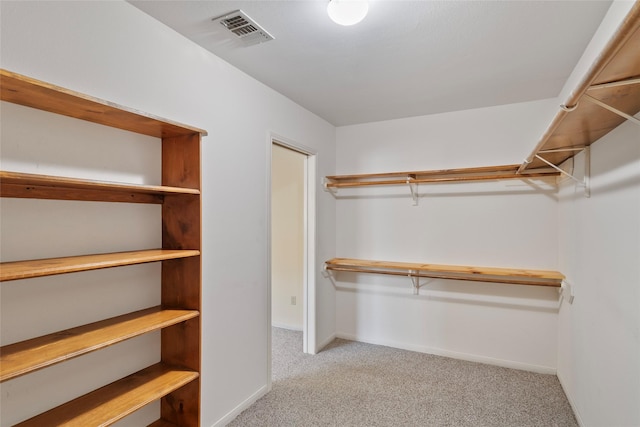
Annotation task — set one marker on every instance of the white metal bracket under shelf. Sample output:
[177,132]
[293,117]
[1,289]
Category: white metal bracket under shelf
[413,187]
[612,109]
[325,187]
[566,291]
[415,281]
[585,182]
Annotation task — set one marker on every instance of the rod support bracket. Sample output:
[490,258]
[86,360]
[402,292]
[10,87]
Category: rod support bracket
[585,182]
[413,187]
[325,186]
[415,281]
[566,291]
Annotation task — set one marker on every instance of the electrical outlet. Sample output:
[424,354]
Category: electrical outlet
[293,300]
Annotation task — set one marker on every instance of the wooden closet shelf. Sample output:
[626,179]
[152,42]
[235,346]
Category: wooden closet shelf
[587,122]
[456,272]
[30,355]
[29,92]
[51,266]
[113,402]
[26,185]
[488,173]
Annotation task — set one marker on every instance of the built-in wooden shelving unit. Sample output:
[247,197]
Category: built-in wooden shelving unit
[454,272]
[613,81]
[175,380]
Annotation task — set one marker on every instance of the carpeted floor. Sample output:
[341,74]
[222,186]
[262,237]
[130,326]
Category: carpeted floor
[356,384]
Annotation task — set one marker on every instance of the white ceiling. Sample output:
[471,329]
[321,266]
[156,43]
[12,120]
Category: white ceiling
[407,58]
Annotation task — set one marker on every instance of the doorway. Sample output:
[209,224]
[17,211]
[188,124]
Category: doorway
[292,240]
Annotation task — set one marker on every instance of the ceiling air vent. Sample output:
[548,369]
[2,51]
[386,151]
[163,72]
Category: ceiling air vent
[244,27]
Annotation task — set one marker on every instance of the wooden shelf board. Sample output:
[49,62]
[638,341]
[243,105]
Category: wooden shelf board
[25,185]
[456,272]
[29,92]
[30,355]
[51,266]
[113,402]
[437,176]
[590,122]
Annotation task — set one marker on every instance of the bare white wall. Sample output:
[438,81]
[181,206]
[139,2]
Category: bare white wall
[114,51]
[287,237]
[599,252]
[499,224]
[599,334]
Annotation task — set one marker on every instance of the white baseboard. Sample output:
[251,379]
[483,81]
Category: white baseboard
[325,343]
[241,407]
[286,326]
[454,354]
[571,401]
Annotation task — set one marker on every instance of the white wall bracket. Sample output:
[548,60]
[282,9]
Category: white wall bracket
[585,182]
[325,187]
[413,187]
[415,281]
[566,291]
[328,275]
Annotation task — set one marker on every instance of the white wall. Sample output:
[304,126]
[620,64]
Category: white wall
[113,51]
[500,224]
[599,334]
[287,237]
[599,252]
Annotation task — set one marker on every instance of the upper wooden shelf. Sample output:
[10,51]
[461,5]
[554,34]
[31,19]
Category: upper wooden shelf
[113,402]
[618,63]
[51,266]
[488,173]
[24,185]
[37,353]
[23,90]
[456,272]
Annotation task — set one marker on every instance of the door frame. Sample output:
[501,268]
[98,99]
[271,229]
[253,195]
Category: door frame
[309,257]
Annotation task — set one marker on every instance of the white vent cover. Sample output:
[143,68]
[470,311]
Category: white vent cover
[244,27]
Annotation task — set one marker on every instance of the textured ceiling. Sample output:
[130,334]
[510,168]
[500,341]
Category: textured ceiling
[407,58]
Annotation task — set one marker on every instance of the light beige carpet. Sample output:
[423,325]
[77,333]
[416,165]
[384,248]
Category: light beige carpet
[356,384]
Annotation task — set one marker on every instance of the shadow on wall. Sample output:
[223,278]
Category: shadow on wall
[483,294]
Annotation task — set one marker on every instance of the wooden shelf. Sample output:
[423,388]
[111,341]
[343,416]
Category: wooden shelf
[113,402]
[181,275]
[456,272]
[29,92]
[588,122]
[24,185]
[28,356]
[488,173]
[51,266]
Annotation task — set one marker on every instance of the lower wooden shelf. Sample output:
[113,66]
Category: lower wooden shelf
[30,355]
[456,272]
[51,266]
[115,401]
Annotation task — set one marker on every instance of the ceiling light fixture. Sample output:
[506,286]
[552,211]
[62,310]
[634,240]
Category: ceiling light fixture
[347,12]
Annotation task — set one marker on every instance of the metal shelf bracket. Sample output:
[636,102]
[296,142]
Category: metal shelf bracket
[566,291]
[612,109]
[325,187]
[413,186]
[585,182]
[415,281]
